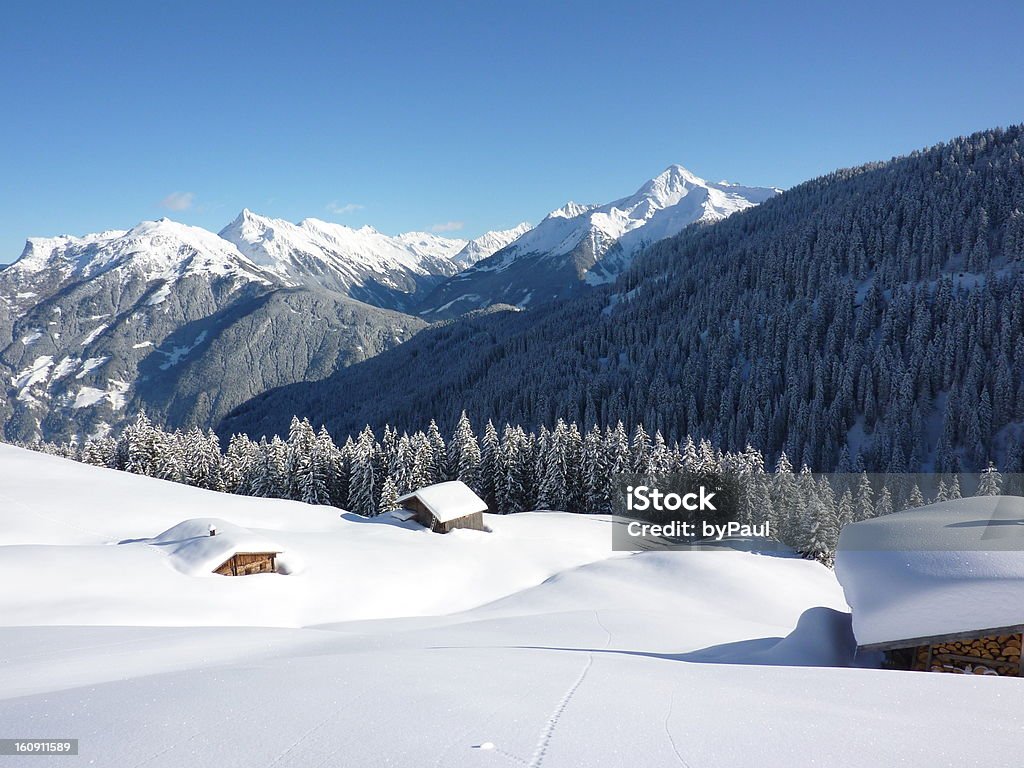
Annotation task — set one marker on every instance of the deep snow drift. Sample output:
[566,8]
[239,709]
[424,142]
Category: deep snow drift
[532,645]
[940,569]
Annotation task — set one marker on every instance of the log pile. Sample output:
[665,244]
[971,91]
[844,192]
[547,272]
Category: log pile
[987,655]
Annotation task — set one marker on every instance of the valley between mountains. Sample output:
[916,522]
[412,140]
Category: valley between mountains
[185,324]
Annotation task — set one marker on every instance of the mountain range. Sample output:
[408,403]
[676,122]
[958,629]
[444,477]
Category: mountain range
[580,245]
[361,263]
[867,319]
[186,324]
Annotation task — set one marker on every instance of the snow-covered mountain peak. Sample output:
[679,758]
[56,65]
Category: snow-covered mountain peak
[341,258]
[42,253]
[592,243]
[668,202]
[675,175]
[669,186]
[570,210]
[488,243]
[165,227]
[429,243]
[161,249]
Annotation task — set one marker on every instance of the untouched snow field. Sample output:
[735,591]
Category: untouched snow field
[387,645]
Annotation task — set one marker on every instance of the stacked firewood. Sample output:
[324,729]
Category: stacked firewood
[989,655]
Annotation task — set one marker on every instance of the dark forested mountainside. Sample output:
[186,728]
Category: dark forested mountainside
[873,317]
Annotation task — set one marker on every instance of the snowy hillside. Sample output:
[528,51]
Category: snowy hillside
[533,644]
[593,243]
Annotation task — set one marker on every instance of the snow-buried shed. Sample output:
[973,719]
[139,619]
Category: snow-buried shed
[209,545]
[445,506]
[939,587]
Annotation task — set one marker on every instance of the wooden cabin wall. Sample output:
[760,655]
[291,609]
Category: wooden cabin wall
[247,563]
[474,522]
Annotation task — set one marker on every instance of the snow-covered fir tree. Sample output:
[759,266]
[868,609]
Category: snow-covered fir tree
[388,497]
[464,454]
[991,482]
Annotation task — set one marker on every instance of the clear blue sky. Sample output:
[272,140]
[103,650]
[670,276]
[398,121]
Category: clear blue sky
[415,115]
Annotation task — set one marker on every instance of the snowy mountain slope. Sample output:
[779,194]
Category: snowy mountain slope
[602,651]
[362,263]
[488,243]
[186,324]
[165,317]
[590,243]
[152,250]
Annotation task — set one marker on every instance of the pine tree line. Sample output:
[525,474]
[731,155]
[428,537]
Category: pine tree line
[560,469]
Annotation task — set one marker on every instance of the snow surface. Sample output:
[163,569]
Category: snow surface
[90,365]
[117,393]
[94,334]
[87,396]
[535,645]
[944,568]
[159,295]
[34,374]
[177,354]
[447,501]
[66,366]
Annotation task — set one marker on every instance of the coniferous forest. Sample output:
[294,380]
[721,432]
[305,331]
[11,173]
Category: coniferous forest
[870,318]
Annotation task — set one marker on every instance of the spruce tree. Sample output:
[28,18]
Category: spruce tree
[991,482]
[489,465]
[464,454]
[362,485]
[388,497]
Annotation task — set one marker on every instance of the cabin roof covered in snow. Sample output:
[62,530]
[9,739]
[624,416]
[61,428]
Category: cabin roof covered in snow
[194,551]
[934,571]
[448,501]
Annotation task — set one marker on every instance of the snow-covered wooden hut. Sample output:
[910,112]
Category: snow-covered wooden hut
[445,506]
[941,587]
[210,545]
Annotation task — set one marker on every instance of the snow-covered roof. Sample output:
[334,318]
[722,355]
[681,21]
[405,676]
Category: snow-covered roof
[941,569]
[194,551]
[448,501]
